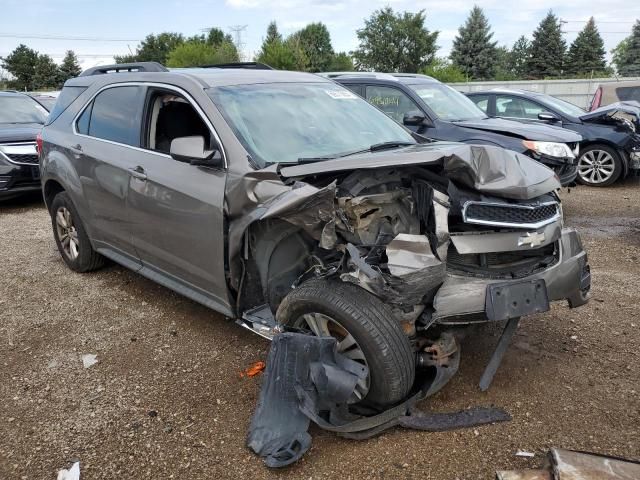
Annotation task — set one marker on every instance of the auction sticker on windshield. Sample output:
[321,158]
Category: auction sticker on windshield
[341,94]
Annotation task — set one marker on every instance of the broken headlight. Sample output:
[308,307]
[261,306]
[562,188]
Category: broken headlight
[550,149]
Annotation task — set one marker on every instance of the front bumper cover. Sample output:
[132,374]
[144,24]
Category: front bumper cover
[462,299]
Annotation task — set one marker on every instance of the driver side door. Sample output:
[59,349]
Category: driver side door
[175,208]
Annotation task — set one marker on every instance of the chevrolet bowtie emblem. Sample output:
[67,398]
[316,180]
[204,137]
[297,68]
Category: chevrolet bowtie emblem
[534,239]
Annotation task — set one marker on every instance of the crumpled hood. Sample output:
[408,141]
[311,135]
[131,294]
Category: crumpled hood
[19,132]
[622,112]
[526,131]
[487,169]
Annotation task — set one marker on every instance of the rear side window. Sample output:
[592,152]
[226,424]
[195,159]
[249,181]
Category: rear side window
[66,98]
[114,115]
[391,101]
[481,101]
[626,94]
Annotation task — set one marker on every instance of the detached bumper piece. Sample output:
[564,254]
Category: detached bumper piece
[306,380]
[570,465]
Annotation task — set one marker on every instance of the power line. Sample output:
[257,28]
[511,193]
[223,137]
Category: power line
[64,37]
[238,30]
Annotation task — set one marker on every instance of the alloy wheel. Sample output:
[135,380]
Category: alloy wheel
[67,233]
[324,326]
[596,166]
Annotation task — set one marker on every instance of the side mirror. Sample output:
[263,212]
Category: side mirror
[192,150]
[416,118]
[548,117]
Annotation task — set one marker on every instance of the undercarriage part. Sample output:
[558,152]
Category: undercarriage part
[438,353]
[260,320]
[496,358]
[442,422]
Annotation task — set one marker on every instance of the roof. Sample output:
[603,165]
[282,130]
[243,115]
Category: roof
[407,78]
[517,91]
[11,93]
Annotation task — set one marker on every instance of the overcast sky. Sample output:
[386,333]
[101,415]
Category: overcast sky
[103,23]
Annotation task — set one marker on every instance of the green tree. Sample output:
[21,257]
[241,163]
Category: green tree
[154,48]
[217,37]
[548,49]
[47,73]
[197,53]
[69,68]
[21,64]
[473,51]
[315,42]
[391,42]
[282,55]
[519,57]
[442,69]
[626,56]
[503,70]
[586,53]
[341,62]
[272,33]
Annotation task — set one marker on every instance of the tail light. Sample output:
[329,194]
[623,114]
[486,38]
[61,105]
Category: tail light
[39,143]
[597,98]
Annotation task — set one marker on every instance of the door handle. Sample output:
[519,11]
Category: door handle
[138,172]
[77,148]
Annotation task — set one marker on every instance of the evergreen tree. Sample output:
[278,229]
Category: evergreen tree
[69,68]
[272,33]
[21,64]
[548,49]
[395,42]
[315,42]
[282,55]
[627,54]
[47,73]
[473,50]
[586,53]
[519,57]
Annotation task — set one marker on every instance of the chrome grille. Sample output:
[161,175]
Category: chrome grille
[20,153]
[506,215]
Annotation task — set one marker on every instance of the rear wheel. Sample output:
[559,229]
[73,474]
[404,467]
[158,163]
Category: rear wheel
[71,238]
[599,166]
[366,332]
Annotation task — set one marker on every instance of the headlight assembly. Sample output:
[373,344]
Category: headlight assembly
[551,149]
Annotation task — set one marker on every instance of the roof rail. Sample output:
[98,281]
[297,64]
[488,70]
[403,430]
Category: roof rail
[125,67]
[378,75]
[246,65]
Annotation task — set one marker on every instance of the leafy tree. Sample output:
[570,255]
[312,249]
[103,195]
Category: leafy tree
[341,62]
[473,50]
[547,49]
[626,56]
[196,53]
[519,57]
[586,53]
[315,42]
[442,69]
[217,37]
[391,42]
[21,64]
[69,68]
[282,55]
[272,33]
[47,73]
[154,48]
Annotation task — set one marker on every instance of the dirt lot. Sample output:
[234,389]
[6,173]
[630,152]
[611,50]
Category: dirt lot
[165,399]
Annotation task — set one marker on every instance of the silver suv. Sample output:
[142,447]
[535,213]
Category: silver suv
[285,201]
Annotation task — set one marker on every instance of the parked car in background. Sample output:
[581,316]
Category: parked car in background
[437,111]
[612,92]
[287,202]
[21,118]
[46,99]
[610,147]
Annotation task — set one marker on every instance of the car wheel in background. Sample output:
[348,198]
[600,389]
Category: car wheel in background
[599,166]
[71,238]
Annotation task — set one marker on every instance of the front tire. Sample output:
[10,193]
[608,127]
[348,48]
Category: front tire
[366,330]
[71,238]
[599,166]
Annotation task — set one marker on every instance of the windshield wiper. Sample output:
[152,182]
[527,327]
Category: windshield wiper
[376,147]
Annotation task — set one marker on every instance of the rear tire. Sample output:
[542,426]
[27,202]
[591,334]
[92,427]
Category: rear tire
[599,166]
[386,348]
[71,238]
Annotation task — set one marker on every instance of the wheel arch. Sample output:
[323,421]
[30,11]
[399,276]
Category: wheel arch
[50,190]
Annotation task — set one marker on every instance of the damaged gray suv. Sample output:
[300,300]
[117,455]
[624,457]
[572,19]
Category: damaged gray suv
[286,202]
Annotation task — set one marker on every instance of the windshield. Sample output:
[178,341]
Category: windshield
[564,106]
[284,122]
[21,109]
[447,103]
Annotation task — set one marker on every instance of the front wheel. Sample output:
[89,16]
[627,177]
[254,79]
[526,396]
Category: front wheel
[366,332]
[599,166]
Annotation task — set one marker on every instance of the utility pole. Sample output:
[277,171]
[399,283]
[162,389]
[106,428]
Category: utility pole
[237,31]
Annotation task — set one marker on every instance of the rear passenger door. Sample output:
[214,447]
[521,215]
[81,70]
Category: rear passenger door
[176,209]
[392,101]
[107,134]
[518,108]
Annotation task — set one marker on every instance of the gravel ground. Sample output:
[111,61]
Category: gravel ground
[165,399]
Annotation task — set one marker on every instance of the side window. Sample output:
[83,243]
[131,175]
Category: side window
[481,101]
[357,89]
[171,116]
[113,115]
[626,94]
[391,101]
[515,107]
